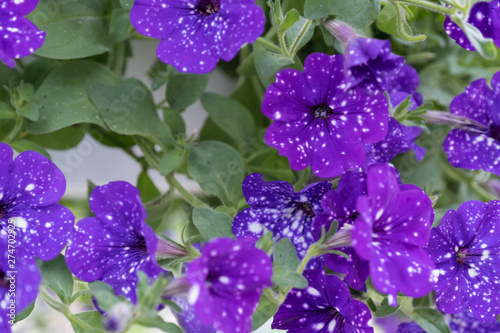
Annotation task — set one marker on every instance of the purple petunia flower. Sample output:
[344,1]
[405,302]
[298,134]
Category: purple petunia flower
[20,37]
[230,275]
[30,187]
[410,327]
[465,322]
[392,227]
[188,319]
[115,244]
[405,81]
[371,65]
[196,33]
[465,248]
[317,122]
[277,207]
[472,150]
[325,306]
[485,16]
[19,277]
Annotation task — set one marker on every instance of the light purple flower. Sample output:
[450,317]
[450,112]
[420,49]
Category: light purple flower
[20,37]
[465,248]
[277,207]
[196,33]
[19,276]
[325,306]
[115,244]
[30,187]
[485,16]
[317,122]
[392,227]
[226,283]
[471,150]
[371,65]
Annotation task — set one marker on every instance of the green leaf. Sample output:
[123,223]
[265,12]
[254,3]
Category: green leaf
[175,122]
[104,295]
[218,169]
[93,319]
[7,75]
[385,309]
[30,111]
[484,46]
[119,25]
[25,313]
[268,63]
[212,224]
[65,138]
[74,29]
[7,111]
[58,278]
[315,9]
[128,108]
[147,189]
[231,117]
[286,262]
[22,146]
[37,71]
[290,19]
[422,302]
[430,320]
[63,99]
[158,322]
[357,13]
[392,19]
[371,305]
[265,310]
[127,4]
[299,34]
[170,161]
[184,89]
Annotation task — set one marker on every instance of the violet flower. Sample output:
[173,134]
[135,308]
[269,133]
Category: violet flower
[115,244]
[475,150]
[485,16]
[30,187]
[277,207]
[227,282]
[317,122]
[20,37]
[465,248]
[196,33]
[325,306]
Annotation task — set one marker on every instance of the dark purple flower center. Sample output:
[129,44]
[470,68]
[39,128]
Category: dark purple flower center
[495,132]
[306,208]
[462,255]
[321,111]
[4,208]
[4,282]
[208,7]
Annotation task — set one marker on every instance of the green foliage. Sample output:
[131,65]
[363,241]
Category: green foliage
[430,320]
[170,161]
[286,264]
[265,310]
[385,309]
[184,89]
[58,278]
[212,224]
[393,20]
[357,13]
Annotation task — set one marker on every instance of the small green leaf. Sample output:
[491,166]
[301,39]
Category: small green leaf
[430,320]
[146,187]
[7,111]
[484,46]
[174,121]
[268,63]
[290,19]
[30,111]
[170,161]
[265,310]
[184,89]
[58,278]
[74,29]
[119,25]
[104,295]
[282,276]
[422,302]
[299,34]
[25,313]
[93,319]
[231,117]
[218,169]
[315,9]
[286,262]
[158,322]
[385,309]
[22,146]
[212,224]
[371,305]
[392,19]
[127,4]
[357,13]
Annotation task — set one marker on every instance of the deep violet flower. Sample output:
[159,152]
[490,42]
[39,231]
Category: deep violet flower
[465,322]
[188,319]
[115,244]
[25,279]
[325,306]
[393,225]
[472,150]
[465,248]
[20,37]
[196,33]
[30,187]
[485,16]
[317,122]
[405,81]
[277,207]
[227,282]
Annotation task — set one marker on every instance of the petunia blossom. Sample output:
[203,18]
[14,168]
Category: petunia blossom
[317,122]
[116,243]
[465,248]
[227,282]
[196,33]
[20,37]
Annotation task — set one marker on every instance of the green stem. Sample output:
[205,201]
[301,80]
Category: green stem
[149,153]
[195,202]
[281,38]
[269,45]
[62,308]
[478,190]
[431,6]
[297,40]
[116,58]
[304,176]
[160,104]
[16,129]
[401,27]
